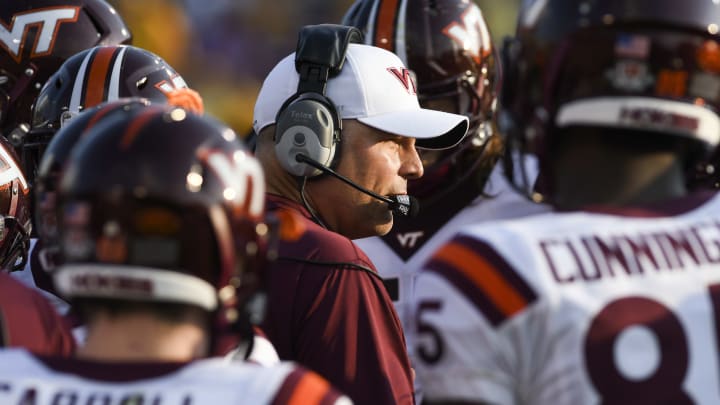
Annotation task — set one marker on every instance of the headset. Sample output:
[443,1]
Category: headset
[308,126]
[308,122]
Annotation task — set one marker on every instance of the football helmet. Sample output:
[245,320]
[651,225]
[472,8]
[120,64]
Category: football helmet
[161,205]
[39,35]
[52,165]
[644,65]
[15,223]
[448,47]
[98,75]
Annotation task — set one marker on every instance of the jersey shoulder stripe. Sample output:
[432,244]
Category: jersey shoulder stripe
[483,277]
[305,387]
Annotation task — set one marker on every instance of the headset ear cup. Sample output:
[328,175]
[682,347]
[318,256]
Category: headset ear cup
[308,125]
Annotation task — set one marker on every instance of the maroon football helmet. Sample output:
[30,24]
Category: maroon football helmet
[15,223]
[448,47]
[98,75]
[161,205]
[39,36]
[651,66]
[53,163]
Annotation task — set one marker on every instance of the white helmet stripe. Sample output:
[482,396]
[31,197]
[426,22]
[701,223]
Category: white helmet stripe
[114,90]
[76,98]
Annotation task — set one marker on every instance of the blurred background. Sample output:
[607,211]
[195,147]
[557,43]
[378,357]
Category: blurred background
[224,48]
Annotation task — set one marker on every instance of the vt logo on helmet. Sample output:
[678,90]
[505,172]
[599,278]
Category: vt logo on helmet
[36,37]
[14,39]
[97,75]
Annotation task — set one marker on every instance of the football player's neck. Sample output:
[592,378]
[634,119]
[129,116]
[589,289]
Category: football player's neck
[608,174]
[143,338]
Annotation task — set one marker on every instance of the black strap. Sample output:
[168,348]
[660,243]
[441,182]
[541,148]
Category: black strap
[320,54]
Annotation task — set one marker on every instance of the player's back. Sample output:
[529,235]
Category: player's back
[575,308]
[25,378]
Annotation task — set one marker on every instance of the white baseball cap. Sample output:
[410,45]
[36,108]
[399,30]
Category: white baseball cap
[374,87]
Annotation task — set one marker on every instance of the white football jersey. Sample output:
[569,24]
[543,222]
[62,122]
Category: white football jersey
[575,308]
[261,352]
[25,378]
[399,255]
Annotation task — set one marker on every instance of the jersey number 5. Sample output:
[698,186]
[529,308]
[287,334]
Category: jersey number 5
[432,353]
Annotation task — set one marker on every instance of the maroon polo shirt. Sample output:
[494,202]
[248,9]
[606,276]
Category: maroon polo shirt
[328,310]
[28,320]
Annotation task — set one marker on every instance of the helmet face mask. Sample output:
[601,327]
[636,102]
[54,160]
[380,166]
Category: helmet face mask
[447,46]
[15,226]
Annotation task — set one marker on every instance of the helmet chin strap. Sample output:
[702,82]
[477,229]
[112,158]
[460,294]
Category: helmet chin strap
[23,82]
[17,134]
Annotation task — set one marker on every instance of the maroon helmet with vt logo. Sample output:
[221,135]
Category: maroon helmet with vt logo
[447,46]
[36,37]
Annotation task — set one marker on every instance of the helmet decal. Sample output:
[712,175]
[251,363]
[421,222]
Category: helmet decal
[48,20]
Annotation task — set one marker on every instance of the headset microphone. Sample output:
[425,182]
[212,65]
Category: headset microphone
[401,204]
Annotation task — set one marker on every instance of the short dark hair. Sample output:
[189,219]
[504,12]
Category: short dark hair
[171,312]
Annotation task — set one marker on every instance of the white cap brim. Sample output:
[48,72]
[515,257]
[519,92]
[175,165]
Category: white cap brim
[373,87]
[431,129]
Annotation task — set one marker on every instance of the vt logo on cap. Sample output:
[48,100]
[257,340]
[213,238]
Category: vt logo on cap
[405,77]
[366,89]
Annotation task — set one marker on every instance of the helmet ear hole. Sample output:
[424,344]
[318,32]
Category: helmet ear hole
[140,84]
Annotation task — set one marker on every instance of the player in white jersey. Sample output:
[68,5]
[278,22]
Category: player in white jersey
[613,298]
[45,380]
[164,259]
[575,308]
[448,47]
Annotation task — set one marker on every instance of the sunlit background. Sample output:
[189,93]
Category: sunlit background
[224,48]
